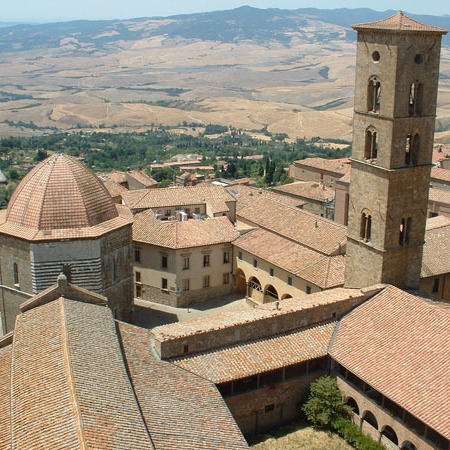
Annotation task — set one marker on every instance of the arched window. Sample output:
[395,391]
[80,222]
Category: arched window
[373,95]
[352,403]
[371,146]
[415,99]
[370,418]
[366,226]
[405,228]
[412,149]
[16,273]
[390,434]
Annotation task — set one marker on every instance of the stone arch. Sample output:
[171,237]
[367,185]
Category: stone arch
[350,401]
[270,294]
[415,98]
[389,432]
[254,286]
[240,282]
[370,419]
[373,94]
[408,445]
[371,144]
[366,225]
[286,296]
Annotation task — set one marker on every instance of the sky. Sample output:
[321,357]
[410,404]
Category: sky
[63,10]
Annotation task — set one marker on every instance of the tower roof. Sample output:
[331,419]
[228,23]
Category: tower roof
[399,22]
[60,198]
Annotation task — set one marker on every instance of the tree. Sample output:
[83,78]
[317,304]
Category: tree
[324,403]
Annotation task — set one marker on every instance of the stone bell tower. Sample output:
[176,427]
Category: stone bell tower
[397,71]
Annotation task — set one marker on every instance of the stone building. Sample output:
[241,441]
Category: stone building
[397,72]
[62,219]
[180,262]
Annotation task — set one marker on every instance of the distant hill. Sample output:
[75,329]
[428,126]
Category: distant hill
[245,23]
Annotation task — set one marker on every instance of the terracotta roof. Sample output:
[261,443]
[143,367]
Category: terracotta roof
[323,271]
[114,175]
[5,397]
[339,166]
[60,193]
[297,225]
[181,410]
[260,355]
[399,344]
[141,177]
[245,195]
[437,222]
[439,196]
[398,22]
[440,174]
[191,233]
[345,179]
[308,189]
[115,189]
[435,259]
[177,196]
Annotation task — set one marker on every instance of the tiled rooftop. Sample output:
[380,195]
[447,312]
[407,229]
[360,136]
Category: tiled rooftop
[299,226]
[60,193]
[399,344]
[339,166]
[177,196]
[440,174]
[141,177]
[436,260]
[115,189]
[439,196]
[191,233]
[260,355]
[308,189]
[323,271]
[399,22]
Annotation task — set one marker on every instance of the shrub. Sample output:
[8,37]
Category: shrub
[352,434]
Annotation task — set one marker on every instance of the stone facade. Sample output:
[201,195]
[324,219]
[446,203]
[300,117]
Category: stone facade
[392,154]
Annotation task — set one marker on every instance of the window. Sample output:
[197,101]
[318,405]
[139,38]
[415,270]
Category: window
[289,281]
[138,277]
[412,149]
[269,408]
[138,291]
[185,348]
[186,263]
[205,260]
[226,257]
[255,263]
[164,284]
[435,286]
[197,210]
[366,226]
[185,285]
[308,289]
[271,272]
[164,262]
[373,95]
[168,212]
[405,228]
[226,278]
[16,273]
[137,255]
[240,256]
[371,146]
[206,281]
[415,99]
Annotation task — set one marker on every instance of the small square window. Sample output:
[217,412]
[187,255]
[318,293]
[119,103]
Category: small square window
[205,260]
[206,281]
[289,281]
[138,277]
[164,283]
[226,278]
[137,255]
[255,263]
[138,291]
[308,289]
[185,348]
[435,286]
[240,256]
[168,212]
[164,262]
[271,272]
[185,284]
[269,408]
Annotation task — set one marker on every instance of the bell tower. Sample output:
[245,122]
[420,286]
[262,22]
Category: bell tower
[397,71]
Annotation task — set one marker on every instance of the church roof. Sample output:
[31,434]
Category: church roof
[60,198]
[399,22]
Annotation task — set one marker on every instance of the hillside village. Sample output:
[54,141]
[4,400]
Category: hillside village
[344,271]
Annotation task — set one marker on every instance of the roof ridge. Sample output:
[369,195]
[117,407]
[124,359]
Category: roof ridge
[70,378]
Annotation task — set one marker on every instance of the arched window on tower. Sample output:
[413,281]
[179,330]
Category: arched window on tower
[415,99]
[366,226]
[371,145]
[16,273]
[374,95]
[412,149]
[405,229]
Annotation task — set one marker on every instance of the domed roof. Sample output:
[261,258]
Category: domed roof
[60,193]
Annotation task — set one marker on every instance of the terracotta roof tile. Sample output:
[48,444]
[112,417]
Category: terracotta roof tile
[435,259]
[141,177]
[439,196]
[400,345]
[399,22]
[181,410]
[338,166]
[437,222]
[115,189]
[261,355]
[308,189]
[191,233]
[5,396]
[439,174]
[114,175]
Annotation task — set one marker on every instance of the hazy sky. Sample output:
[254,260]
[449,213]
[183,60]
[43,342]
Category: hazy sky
[54,10]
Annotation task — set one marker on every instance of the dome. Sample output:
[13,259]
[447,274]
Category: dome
[60,193]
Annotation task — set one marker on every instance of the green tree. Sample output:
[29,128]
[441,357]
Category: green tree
[324,403]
